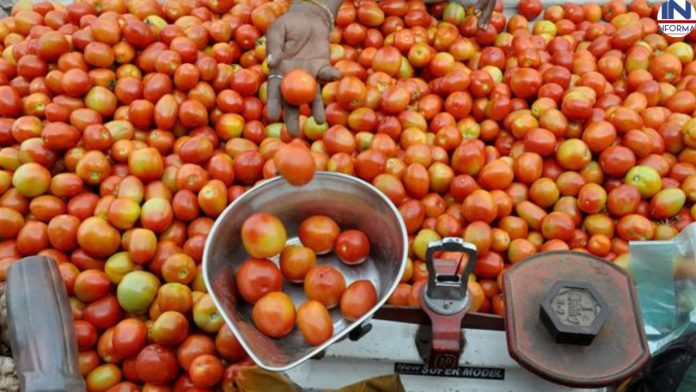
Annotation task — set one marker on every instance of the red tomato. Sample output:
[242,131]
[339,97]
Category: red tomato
[205,371]
[274,314]
[358,299]
[319,233]
[156,364]
[314,322]
[129,337]
[298,87]
[325,284]
[295,163]
[256,278]
[263,235]
[296,261]
[352,247]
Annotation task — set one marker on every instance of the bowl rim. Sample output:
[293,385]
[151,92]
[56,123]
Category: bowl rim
[259,187]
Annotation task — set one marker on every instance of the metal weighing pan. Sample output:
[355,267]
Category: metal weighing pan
[353,204]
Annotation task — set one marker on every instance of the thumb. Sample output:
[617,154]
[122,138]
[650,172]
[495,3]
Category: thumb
[275,39]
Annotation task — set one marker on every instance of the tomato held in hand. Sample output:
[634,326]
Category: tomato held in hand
[319,233]
[256,278]
[298,87]
[358,299]
[352,247]
[295,163]
[314,322]
[325,284]
[263,235]
[274,314]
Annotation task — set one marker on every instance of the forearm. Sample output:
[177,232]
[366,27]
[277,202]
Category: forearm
[333,5]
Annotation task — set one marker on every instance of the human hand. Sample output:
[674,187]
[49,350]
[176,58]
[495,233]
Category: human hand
[299,39]
[485,9]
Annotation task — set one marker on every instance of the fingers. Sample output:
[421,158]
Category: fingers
[274,97]
[486,13]
[292,119]
[275,39]
[318,109]
[328,74]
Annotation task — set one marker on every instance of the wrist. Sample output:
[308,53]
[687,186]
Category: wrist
[333,5]
[318,8]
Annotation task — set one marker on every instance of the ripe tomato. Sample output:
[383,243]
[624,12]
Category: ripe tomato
[319,233]
[298,87]
[295,163]
[228,346]
[325,284]
[97,237]
[156,364]
[263,235]
[103,313]
[103,378]
[314,322]
[530,9]
[274,314]
[256,278]
[296,261]
[91,285]
[352,247]
[86,335]
[358,299]
[129,337]
[489,265]
[205,371]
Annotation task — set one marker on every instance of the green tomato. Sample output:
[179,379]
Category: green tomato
[274,130]
[545,27]
[422,240]
[644,178]
[118,265]
[206,315]
[314,131]
[136,291]
[454,13]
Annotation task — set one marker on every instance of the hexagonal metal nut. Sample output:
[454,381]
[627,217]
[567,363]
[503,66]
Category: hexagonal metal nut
[573,312]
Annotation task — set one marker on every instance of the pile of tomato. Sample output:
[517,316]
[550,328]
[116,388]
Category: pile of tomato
[127,126]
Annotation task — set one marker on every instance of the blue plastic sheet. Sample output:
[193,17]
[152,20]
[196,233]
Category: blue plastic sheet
[665,276]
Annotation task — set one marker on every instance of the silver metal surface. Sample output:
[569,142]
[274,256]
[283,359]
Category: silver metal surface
[389,343]
[446,293]
[353,203]
[447,306]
